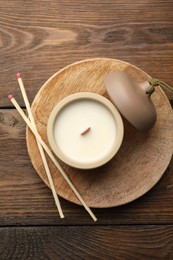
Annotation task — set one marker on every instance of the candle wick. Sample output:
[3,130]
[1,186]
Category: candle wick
[86,131]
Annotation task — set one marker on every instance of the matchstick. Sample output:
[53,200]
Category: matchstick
[46,148]
[52,186]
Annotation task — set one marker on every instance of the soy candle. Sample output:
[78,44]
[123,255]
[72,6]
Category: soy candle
[85,130]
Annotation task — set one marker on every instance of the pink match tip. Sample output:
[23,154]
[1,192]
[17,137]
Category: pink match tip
[18,75]
[10,96]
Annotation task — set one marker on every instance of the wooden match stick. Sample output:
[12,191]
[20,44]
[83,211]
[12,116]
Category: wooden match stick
[28,107]
[46,148]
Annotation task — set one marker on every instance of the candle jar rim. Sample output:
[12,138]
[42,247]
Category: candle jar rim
[77,97]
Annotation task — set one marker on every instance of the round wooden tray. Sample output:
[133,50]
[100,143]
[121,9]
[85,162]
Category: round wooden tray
[142,158]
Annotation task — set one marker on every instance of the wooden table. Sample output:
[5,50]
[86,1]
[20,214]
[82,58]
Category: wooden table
[38,38]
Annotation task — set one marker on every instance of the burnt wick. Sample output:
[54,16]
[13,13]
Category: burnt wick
[86,131]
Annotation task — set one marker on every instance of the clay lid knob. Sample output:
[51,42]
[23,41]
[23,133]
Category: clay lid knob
[131,99]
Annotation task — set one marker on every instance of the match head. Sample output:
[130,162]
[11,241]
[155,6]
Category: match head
[18,75]
[10,97]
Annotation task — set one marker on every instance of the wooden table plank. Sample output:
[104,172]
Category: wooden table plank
[122,242]
[25,200]
[39,39]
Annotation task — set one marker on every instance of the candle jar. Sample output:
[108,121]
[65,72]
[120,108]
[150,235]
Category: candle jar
[85,130]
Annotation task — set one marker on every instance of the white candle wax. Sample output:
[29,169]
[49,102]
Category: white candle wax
[74,119]
[85,130]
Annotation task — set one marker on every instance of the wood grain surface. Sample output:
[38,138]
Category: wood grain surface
[38,38]
[141,242]
[26,200]
[124,178]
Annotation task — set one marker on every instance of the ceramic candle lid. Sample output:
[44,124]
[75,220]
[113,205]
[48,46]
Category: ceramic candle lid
[131,99]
